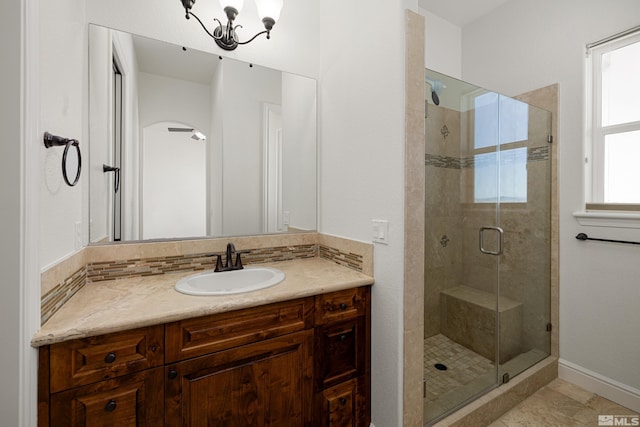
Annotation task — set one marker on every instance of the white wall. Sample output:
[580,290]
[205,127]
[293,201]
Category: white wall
[245,89]
[214,155]
[163,98]
[188,104]
[130,137]
[362,165]
[443,45]
[299,117]
[174,170]
[526,45]
[63,111]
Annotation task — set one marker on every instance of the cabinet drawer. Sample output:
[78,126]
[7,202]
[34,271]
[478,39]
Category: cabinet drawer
[340,351]
[343,405]
[133,400]
[196,337]
[340,305]
[88,360]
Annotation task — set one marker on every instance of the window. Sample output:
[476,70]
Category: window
[614,104]
[500,168]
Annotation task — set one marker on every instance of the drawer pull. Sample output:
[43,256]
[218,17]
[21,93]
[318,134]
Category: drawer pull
[111,406]
[343,306]
[343,337]
[173,374]
[110,358]
[342,401]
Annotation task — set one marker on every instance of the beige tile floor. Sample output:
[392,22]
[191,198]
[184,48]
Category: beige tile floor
[561,404]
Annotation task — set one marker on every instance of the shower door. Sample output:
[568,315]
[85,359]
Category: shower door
[487,246]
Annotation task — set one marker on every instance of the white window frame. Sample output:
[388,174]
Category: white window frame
[597,213]
[596,132]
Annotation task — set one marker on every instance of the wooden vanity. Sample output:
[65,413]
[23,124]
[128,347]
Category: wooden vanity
[298,362]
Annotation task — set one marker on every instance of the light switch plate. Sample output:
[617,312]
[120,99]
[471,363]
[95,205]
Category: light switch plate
[380,231]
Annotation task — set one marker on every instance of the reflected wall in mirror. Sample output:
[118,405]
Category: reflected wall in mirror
[186,144]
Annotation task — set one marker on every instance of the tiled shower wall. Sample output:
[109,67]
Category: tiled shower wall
[453,220]
[443,210]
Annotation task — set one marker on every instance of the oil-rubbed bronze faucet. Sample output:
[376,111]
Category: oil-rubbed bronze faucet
[230,265]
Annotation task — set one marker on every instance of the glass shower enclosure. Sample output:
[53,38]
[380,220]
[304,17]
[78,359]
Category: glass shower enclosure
[487,241]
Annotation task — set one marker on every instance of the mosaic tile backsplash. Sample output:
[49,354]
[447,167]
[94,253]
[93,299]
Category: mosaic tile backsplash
[95,272]
[111,270]
[56,297]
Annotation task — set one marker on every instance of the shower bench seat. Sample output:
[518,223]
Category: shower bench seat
[468,317]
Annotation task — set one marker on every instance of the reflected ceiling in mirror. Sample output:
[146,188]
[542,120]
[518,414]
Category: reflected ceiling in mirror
[187,144]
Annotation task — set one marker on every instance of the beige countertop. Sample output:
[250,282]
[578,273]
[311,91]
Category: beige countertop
[112,306]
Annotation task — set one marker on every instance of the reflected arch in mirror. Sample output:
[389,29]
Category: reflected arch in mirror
[174,190]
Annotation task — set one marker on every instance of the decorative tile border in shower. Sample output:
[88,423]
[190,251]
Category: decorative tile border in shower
[538,153]
[442,161]
[59,294]
[447,162]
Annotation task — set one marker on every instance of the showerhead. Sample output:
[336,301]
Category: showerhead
[436,87]
[435,98]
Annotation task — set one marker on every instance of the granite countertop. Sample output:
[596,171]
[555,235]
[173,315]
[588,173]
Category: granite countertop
[113,306]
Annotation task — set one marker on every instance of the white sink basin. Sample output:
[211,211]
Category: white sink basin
[230,282]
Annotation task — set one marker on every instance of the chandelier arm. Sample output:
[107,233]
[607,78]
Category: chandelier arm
[203,27]
[253,38]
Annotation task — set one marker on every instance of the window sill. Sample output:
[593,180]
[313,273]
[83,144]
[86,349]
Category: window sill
[608,219]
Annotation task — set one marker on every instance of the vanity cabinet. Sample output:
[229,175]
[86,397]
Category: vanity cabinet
[303,362]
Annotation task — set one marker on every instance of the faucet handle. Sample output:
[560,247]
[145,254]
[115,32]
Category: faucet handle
[219,266]
[238,264]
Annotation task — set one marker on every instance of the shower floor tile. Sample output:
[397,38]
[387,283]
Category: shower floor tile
[463,366]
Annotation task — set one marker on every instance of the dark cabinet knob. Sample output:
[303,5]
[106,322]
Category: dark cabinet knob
[173,374]
[343,337]
[110,406]
[342,401]
[343,306]
[110,358]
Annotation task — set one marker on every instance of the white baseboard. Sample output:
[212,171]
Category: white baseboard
[610,389]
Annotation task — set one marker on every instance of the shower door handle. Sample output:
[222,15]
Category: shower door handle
[500,240]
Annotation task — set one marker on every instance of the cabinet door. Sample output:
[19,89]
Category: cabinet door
[268,383]
[340,352]
[344,405]
[132,400]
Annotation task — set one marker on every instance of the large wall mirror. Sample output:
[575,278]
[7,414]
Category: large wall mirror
[188,144]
